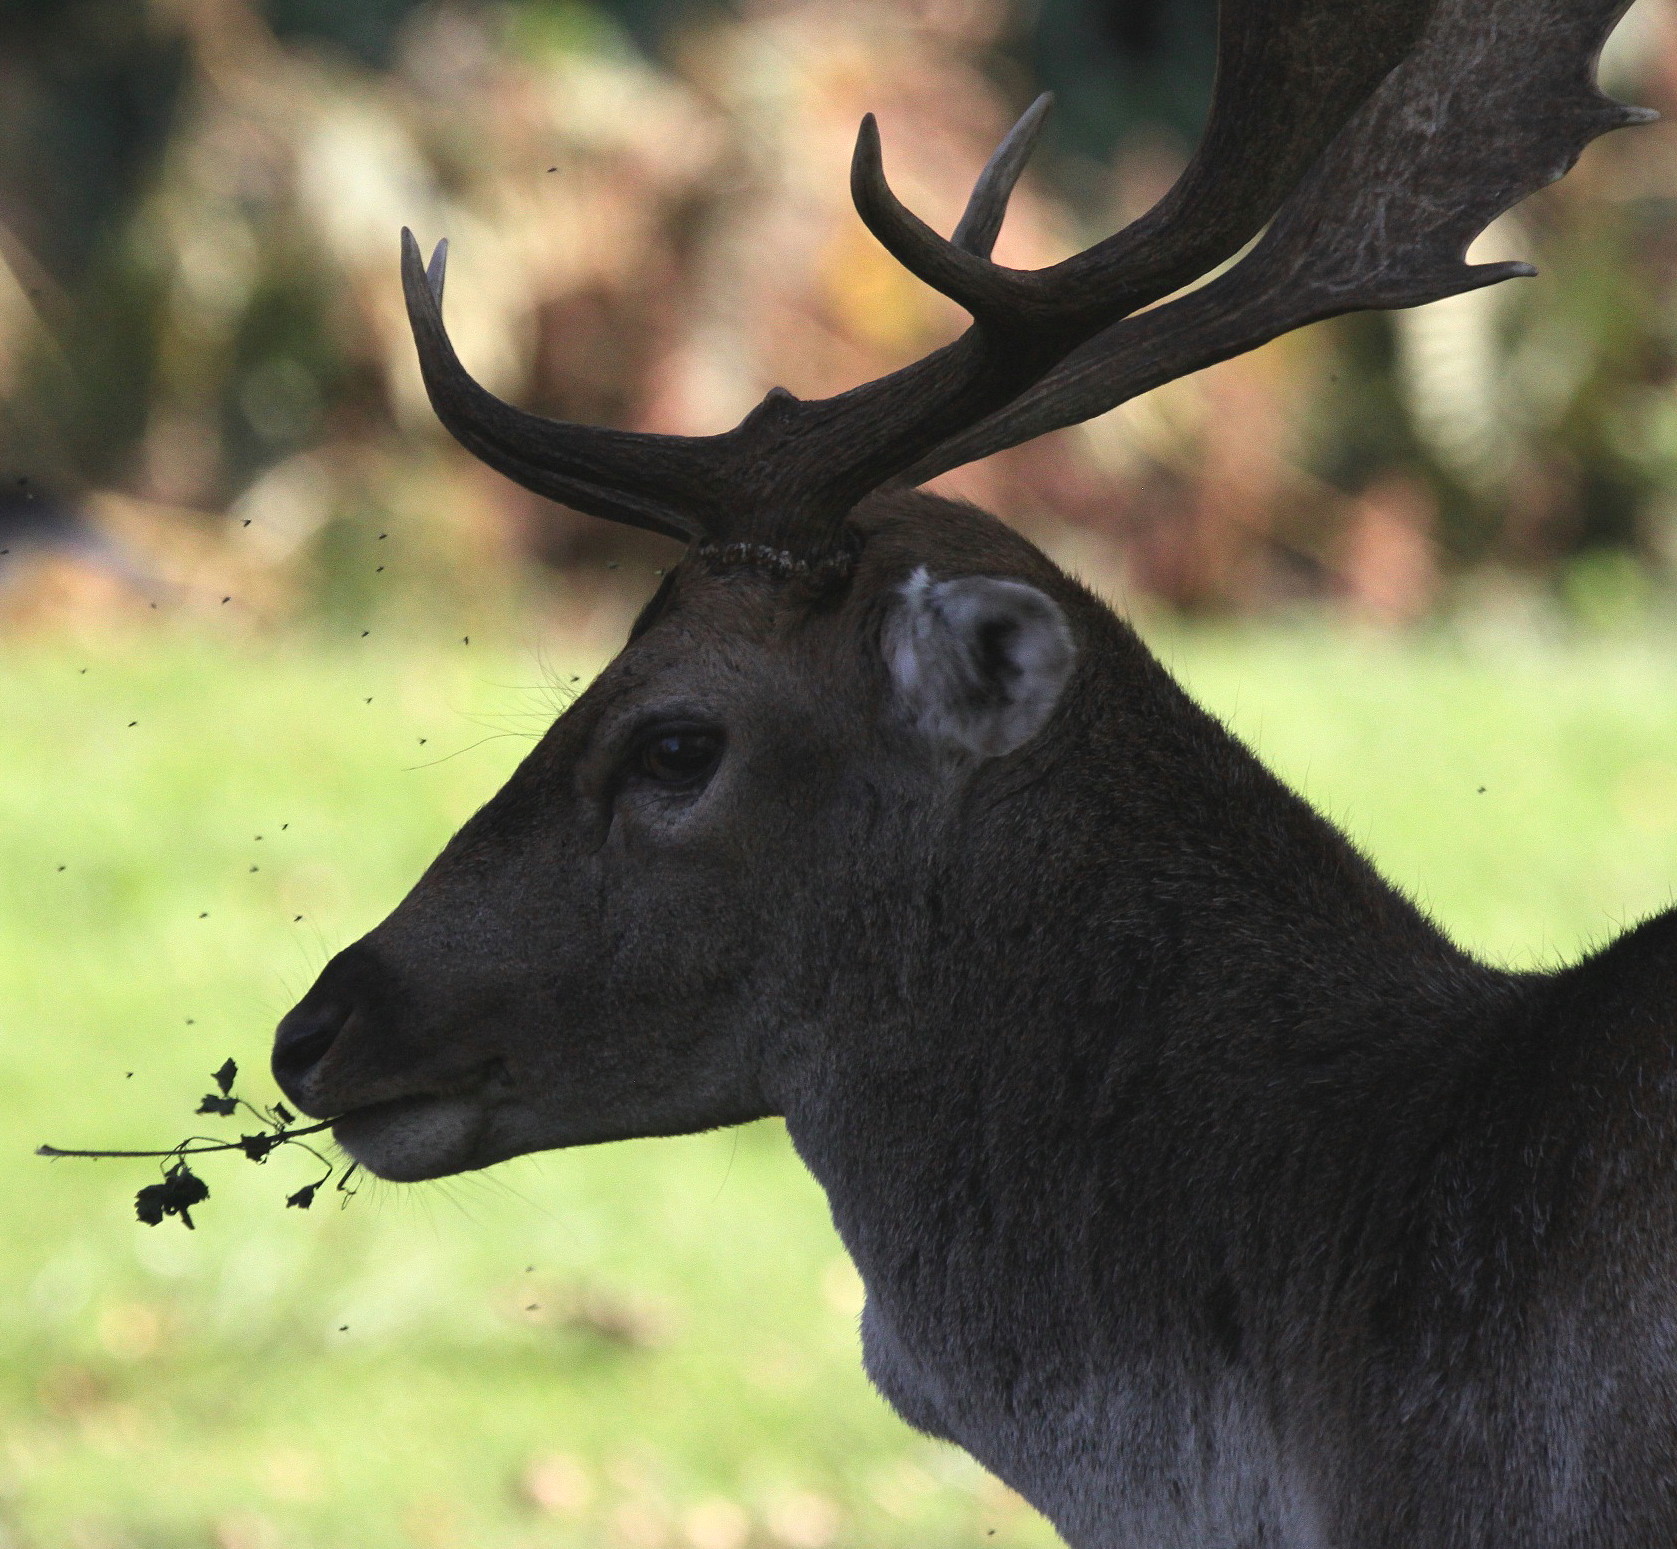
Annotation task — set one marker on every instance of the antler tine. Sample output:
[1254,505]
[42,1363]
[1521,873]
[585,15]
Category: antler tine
[663,483]
[982,222]
[1290,73]
[1459,133]
[435,270]
[962,273]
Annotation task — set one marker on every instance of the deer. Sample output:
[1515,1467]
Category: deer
[1201,1188]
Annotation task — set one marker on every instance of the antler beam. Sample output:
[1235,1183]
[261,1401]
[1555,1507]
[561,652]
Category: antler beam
[1498,100]
[664,483]
[1377,138]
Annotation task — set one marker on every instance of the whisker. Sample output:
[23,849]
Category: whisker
[497,737]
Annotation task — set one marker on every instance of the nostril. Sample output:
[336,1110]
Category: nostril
[356,995]
[302,1040]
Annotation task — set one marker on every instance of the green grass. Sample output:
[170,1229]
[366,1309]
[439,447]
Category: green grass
[373,1376]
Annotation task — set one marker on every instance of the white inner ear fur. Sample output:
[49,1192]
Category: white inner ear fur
[978,663]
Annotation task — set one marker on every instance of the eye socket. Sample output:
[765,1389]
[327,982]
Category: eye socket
[678,755]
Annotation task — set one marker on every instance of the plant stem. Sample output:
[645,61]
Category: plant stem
[228,1145]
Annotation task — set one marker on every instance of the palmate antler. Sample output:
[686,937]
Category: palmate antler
[1497,101]
[1376,141]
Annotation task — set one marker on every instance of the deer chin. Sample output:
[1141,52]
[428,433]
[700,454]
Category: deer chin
[413,1138]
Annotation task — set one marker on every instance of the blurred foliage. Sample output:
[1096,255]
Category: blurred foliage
[207,390]
[1121,69]
[365,29]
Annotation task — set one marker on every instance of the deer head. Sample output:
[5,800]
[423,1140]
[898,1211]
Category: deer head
[818,785]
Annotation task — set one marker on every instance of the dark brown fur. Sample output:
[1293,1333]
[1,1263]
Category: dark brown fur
[1201,1187]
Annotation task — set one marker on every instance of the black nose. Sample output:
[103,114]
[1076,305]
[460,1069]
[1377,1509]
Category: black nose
[355,992]
[302,1040]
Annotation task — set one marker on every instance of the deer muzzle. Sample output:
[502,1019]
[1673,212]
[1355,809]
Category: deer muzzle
[349,1050]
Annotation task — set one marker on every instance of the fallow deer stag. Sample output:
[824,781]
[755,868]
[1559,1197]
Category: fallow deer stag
[1201,1188]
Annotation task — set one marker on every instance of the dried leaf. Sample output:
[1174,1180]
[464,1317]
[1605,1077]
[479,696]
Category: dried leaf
[179,1191]
[224,1077]
[214,1104]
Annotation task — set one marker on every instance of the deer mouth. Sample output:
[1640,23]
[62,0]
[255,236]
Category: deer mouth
[427,1134]
[409,1139]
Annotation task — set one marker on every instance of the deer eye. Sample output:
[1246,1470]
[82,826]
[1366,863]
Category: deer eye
[678,755]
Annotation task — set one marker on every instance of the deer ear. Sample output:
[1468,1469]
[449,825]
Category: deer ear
[978,663]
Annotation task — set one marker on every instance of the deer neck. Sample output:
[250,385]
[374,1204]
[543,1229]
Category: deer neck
[1156,1028]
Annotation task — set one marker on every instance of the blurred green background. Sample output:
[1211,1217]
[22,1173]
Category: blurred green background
[644,1345]
[267,637]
